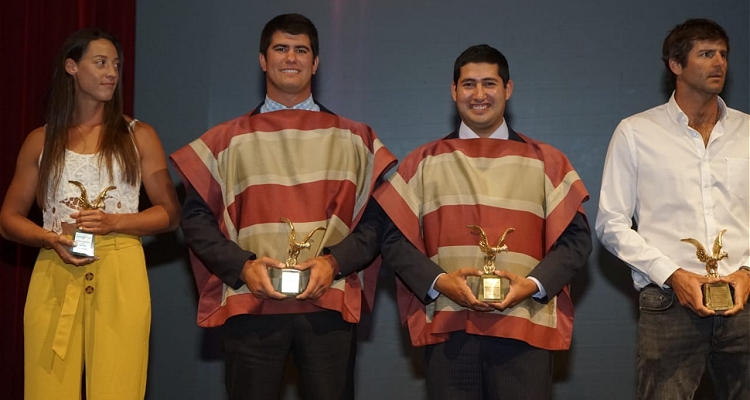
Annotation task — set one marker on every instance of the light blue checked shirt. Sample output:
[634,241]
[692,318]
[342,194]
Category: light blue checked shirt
[308,104]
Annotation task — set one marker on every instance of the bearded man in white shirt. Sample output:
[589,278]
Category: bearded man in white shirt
[680,170]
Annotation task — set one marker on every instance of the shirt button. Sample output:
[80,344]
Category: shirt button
[89,276]
[89,289]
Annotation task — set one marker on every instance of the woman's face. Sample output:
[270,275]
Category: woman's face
[96,73]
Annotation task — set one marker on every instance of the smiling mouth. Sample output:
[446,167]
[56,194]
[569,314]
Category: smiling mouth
[479,107]
[290,71]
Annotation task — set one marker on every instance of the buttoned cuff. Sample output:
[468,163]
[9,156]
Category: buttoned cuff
[432,294]
[661,270]
[541,294]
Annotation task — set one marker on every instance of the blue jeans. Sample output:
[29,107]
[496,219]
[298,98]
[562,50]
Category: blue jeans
[675,346]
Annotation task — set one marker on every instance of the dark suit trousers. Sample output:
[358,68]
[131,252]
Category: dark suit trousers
[256,349]
[473,367]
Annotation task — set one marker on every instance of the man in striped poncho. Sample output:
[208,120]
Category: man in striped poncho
[488,175]
[290,158]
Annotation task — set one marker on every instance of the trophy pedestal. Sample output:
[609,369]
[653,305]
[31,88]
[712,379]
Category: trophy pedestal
[84,244]
[289,281]
[718,296]
[491,288]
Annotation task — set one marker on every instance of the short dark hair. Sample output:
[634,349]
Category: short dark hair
[678,44]
[482,53]
[293,24]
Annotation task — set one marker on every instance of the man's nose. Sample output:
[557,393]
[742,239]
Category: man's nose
[479,92]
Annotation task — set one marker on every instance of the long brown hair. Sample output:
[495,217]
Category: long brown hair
[115,141]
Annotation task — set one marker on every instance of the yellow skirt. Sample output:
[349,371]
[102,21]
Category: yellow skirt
[95,318]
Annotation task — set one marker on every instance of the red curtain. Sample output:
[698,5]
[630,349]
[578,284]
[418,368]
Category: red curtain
[31,33]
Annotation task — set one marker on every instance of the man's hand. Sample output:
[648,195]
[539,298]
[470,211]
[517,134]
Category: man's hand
[255,276]
[687,287]
[740,282]
[521,288]
[453,285]
[321,277]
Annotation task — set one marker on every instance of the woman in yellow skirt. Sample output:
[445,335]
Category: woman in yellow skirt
[88,308]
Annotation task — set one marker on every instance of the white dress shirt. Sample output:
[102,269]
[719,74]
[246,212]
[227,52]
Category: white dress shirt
[659,173]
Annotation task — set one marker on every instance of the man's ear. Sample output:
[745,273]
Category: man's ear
[508,89]
[675,66]
[315,65]
[262,60]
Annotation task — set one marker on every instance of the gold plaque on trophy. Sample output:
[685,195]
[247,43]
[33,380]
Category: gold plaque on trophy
[84,241]
[716,296]
[491,288]
[289,280]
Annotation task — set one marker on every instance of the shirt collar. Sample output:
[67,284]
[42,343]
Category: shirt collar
[676,113]
[464,132]
[270,105]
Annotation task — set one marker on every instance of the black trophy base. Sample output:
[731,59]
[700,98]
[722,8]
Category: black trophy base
[718,296]
[289,281]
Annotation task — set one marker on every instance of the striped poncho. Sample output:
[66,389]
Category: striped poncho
[314,168]
[445,185]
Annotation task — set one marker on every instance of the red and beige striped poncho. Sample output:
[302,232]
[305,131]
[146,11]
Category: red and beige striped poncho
[445,185]
[314,168]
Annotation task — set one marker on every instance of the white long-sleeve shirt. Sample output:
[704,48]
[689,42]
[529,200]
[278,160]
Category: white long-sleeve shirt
[659,173]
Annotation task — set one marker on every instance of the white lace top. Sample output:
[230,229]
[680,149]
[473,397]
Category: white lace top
[84,168]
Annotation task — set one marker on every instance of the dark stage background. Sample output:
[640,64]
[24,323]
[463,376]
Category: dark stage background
[578,67]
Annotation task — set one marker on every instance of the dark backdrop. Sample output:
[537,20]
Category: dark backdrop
[579,68]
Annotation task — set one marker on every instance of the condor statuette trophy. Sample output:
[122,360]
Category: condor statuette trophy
[492,288]
[288,280]
[716,296]
[84,241]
